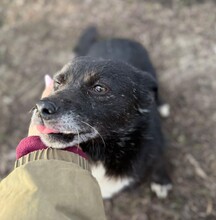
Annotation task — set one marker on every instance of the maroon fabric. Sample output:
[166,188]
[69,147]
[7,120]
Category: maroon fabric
[34,143]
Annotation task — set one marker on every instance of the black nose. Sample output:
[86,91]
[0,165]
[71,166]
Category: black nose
[46,108]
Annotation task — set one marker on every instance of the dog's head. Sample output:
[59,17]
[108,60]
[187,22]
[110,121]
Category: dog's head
[93,99]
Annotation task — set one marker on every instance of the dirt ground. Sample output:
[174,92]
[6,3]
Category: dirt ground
[36,37]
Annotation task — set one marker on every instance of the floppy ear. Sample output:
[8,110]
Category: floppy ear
[148,90]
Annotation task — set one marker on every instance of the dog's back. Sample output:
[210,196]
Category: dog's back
[125,50]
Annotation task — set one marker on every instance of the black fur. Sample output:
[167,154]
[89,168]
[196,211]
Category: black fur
[125,114]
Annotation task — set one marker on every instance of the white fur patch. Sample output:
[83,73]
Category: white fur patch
[143,110]
[164,110]
[109,186]
[161,190]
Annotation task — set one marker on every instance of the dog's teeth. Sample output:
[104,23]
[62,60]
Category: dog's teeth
[67,132]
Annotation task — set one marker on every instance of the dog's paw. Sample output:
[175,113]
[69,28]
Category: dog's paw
[161,190]
[164,110]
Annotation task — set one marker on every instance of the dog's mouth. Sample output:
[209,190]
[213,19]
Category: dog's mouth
[55,134]
[61,139]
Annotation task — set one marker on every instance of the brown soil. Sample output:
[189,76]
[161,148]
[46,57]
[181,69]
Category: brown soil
[36,38]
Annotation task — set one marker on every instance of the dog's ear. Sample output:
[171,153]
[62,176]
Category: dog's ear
[148,90]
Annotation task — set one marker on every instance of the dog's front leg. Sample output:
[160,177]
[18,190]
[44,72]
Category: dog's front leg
[161,182]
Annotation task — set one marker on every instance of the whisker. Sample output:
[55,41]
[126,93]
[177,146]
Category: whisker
[32,109]
[95,131]
[78,137]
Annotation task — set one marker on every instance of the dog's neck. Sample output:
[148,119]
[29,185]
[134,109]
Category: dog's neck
[118,150]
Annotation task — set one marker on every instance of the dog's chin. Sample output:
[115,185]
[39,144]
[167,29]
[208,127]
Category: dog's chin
[61,141]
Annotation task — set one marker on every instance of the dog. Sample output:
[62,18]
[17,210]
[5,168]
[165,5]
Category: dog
[106,101]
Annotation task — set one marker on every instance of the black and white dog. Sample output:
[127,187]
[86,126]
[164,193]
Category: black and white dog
[106,101]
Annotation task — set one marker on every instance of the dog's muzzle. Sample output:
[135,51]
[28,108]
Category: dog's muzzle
[46,109]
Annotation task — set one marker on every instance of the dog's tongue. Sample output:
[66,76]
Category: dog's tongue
[44,130]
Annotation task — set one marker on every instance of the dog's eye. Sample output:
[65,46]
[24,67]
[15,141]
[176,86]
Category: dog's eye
[59,80]
[57,84]
[100,89]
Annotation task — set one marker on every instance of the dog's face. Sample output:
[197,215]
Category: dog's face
[93,99]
